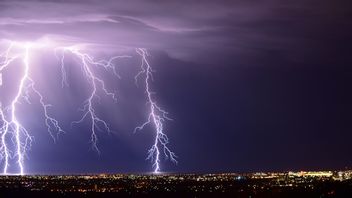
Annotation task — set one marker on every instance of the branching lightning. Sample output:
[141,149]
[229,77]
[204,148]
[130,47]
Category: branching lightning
[11,126]
[12,129]
[156,117]
[88,107]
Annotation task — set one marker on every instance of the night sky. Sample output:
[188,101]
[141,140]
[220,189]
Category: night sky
[249,85]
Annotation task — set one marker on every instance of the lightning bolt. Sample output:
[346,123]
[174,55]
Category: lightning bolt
[96,83]
[4,151]
[156,117]
[11,126]
[4,129]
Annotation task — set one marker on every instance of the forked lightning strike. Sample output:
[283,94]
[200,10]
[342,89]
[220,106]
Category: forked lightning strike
[88,107]
[156,117]
[12,129]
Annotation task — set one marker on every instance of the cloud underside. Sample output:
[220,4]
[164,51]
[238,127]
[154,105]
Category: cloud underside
[182,29]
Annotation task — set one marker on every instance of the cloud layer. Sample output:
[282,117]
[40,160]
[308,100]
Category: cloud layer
[184,29]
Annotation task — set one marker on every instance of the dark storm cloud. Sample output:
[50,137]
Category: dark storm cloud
[184,29]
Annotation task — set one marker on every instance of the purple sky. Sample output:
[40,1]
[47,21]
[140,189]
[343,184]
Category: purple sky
[251,85]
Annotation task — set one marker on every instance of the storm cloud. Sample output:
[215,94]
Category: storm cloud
[184,29]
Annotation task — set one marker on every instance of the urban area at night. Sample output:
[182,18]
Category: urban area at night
[260,184]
